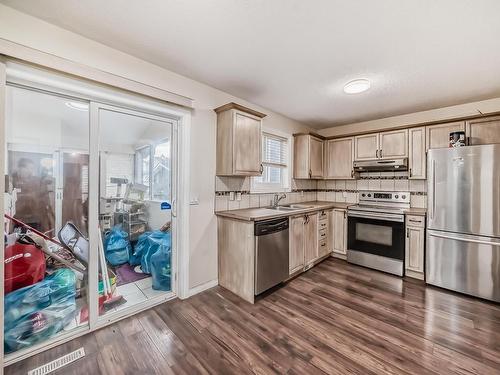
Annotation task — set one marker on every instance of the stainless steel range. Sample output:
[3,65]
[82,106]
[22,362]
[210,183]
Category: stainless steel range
[376,231]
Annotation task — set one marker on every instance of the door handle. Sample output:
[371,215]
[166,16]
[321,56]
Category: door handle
[261,168]
[407,232]
[465,239]
[380,153]
[310,173]
[376,154]
[410,172]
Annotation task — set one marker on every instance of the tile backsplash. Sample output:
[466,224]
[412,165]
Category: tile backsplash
[234,192]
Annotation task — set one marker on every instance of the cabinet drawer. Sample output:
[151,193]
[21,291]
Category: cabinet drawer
[415,221]
[323,224]
[323,215]
[322,246]
[323,235]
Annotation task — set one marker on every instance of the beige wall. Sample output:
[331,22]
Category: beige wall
[439,114]
[26,30]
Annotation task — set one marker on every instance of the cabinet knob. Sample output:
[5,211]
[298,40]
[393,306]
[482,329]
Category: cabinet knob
[380,153]
[310,173]
[261,168]
[410,172]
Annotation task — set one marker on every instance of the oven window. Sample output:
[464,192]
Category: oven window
[376,234]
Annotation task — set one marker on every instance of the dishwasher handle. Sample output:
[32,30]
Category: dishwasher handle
[270,226]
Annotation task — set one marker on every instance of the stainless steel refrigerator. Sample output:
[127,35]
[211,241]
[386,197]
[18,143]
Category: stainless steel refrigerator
[463,220]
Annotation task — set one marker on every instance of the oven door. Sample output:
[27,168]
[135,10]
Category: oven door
[378,234]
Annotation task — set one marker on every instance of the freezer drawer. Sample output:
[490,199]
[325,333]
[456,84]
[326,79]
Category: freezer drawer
[464,263]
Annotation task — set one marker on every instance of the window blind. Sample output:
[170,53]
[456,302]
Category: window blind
[274,150]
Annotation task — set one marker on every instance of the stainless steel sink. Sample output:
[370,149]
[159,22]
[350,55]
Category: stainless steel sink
[283,208]
[297,206]
[289,207]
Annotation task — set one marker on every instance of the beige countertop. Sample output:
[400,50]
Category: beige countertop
[262,213]
[416,211]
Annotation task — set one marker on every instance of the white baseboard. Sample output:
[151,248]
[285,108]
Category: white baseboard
[200,288]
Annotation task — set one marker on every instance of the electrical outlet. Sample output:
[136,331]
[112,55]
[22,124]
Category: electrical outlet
[344,194]
[302,193]
[231,195]
[238,196]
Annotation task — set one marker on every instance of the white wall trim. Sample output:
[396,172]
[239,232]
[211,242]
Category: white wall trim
[184,181]
[202,287]
[34,56]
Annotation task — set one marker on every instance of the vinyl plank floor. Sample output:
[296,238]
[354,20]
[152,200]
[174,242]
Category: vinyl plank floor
[336,318]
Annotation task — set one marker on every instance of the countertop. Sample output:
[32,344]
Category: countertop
[262,213]
[416,211]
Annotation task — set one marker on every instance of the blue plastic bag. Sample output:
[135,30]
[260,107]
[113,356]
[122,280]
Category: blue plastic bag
[153,253]
[117,246]
[160,264]
[37,312]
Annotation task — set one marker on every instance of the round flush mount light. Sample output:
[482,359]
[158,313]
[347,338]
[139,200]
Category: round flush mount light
[78,106]
[356,86]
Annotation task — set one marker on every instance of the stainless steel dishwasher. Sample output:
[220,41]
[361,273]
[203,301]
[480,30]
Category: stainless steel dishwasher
[271,253]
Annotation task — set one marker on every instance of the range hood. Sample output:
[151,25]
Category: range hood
[381,165]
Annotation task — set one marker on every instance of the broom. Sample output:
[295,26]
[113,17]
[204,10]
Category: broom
[111,300]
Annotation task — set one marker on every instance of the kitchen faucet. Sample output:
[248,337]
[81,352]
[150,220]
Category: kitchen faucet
[277,198]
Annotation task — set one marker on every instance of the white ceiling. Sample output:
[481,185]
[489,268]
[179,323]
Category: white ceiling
[294,56]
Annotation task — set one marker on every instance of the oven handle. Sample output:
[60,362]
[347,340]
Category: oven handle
[385,217]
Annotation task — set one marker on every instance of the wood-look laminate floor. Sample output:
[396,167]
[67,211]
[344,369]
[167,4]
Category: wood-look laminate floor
[334,319]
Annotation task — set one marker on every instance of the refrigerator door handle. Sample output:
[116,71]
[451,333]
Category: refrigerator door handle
[433,189]
[463,239]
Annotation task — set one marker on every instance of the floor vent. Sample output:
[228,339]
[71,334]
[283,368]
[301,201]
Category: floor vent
[58,363]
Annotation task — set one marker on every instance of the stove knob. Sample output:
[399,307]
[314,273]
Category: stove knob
[369,195]
[403,196]
[363,195]
[396,196]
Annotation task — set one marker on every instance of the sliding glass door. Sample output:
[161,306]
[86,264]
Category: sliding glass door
[89,215]
[46,177]
[135,208]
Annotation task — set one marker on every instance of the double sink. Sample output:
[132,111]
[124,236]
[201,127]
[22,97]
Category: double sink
[289,207]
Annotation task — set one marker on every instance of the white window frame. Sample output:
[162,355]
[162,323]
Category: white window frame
[152,148]
[256,187]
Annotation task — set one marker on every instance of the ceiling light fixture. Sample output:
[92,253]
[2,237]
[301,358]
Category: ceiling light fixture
[78,106]
[356,86]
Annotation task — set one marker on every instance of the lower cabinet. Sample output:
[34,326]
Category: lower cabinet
[415,246]
[338,228]
[309,239]
[297,241]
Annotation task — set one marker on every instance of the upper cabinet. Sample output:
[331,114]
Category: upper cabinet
[339,155]
[239,134]
[308,156]
[483,131]
[386,145]
[416,153]
[366,146]
[438,136]
[393,144]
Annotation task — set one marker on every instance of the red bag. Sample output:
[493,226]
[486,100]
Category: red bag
[24,266]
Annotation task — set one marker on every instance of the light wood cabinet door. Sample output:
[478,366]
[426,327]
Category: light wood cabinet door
[438,136]
[393,144]
[311,238]
[239,138]
[414,252]
[366,146]
[417,157]
[301,156]
[339,157]
[247,150]
[297,242]
[316,157]
[483,131]
[339,231]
